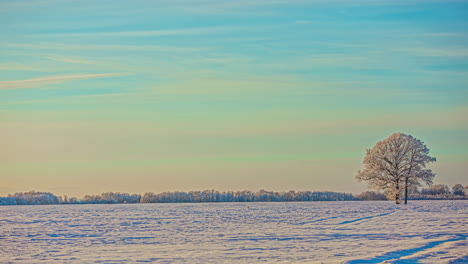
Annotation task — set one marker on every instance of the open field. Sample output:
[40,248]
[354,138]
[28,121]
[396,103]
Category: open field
[297,232]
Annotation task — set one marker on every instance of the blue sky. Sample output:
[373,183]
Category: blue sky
[183,95]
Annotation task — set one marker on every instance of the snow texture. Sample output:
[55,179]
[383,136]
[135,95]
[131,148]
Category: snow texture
[296,232]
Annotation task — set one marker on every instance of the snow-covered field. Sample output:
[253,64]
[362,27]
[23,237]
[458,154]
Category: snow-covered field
[299,232]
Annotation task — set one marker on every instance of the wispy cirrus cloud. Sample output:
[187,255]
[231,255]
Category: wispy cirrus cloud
[14,66]
[61,46]
[158,32]
[437,52]
[267,7]
[30,83]
[74,60]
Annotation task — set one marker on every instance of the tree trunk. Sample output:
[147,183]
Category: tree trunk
[397,195]
[406,190]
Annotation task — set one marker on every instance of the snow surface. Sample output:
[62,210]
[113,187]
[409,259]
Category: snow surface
[295,232]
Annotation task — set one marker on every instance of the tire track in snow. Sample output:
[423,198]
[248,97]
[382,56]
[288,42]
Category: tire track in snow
[318,220]
[365,218]
[395,255]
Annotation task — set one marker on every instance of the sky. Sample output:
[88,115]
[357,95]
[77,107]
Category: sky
[139,96]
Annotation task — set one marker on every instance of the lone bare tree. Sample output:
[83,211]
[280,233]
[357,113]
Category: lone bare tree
[395,162]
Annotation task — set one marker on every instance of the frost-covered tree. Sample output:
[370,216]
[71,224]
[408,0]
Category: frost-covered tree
[33,197]
[112,198]
[8,201]
[396,163]
[371,196]
[458,189]
[440,190]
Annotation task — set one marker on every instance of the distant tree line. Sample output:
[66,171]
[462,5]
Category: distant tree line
[440,192]
[29,198]
[436,191]
[111,198]
[32,197]
[371,196]
[243,196]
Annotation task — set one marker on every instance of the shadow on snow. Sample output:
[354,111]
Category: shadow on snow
[406,252]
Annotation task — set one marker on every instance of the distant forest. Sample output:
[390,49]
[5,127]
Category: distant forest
[436,191]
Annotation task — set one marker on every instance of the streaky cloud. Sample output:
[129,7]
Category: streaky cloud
[455,52]
[158,32]
[31,83]
[63,46]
